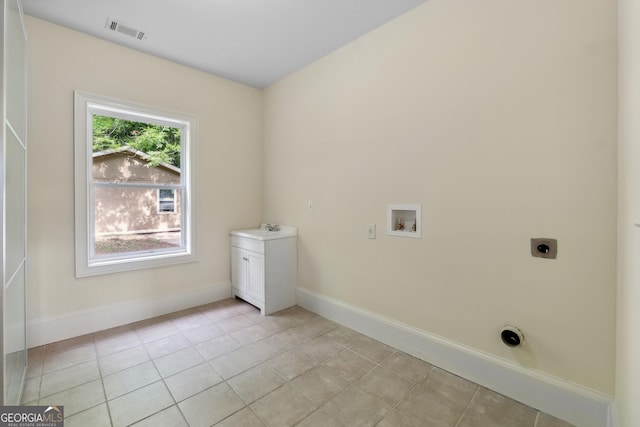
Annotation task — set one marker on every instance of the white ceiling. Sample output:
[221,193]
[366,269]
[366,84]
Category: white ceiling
[255,42]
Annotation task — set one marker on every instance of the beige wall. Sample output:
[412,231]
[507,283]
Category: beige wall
[499,118]
[628,345]
[228,181]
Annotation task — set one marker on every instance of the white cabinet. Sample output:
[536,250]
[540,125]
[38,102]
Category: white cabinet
[248,274]
[264,269]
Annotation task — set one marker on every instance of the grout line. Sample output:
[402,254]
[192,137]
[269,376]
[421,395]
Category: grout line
[468,406]
[104,391]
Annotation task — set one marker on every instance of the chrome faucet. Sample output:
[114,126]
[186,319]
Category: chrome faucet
[274,227]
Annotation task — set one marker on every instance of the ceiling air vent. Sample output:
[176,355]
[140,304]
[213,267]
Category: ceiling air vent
[119,27]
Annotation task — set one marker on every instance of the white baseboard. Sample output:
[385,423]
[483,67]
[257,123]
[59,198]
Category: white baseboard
[59,327]
[570,402]
[613,415]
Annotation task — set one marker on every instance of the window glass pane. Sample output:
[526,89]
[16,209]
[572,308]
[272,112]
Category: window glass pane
[135,152]
[166,201]
[127,219]
[166,206]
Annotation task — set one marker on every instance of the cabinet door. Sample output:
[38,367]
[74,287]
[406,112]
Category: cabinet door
[255,275]
[238,268]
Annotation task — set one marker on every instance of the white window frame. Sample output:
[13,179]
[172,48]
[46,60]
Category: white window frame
[87,264]
[173,200]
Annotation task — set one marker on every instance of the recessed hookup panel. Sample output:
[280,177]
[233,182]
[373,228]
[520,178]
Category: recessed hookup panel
[544,248]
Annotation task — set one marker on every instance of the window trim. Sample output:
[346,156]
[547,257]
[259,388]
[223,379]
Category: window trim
[84,107]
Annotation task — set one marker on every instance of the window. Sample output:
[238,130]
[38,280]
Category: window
[166,200]
[133,169]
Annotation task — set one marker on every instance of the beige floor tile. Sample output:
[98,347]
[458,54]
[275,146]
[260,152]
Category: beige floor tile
[189,319]
[490,409]
[31,390]
[243,307]
[320,418]
[320,324]
[218,312]
[354,407]
[178,361]
[250,334]
[243,418]
[546,420]
[123,360]
[450,387]
[386,385]
[349,365]
[321,348]
[235,362]
[139,404]
[70,344]
[117,331]
[234,323]
[113,343]
[320,384]
[97,416]
[217,347]
[344,336]
[371,349]
[211,406]
[407,366]
[203,333]
[192,381]
[156,328]
[396,419]
[292,363]
[255,315]
[298,314]
[63,357]
[276,324]
[430,407]
[255,383]
[298,334]
[170,417]
[269,347]
[77,399]
[167,345]
[125,381]
[35,362]
[67,378]
[283,407]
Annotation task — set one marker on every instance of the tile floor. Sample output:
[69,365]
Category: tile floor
[224,364]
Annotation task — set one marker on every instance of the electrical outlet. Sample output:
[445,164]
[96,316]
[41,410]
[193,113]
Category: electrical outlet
[544,248]
[371,231]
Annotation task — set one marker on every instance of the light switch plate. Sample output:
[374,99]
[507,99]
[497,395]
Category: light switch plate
[371,231]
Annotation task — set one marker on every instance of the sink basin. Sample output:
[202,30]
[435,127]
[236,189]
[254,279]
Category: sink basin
[263,234]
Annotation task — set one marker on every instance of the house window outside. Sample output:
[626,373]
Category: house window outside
[166,200]
[133,186]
